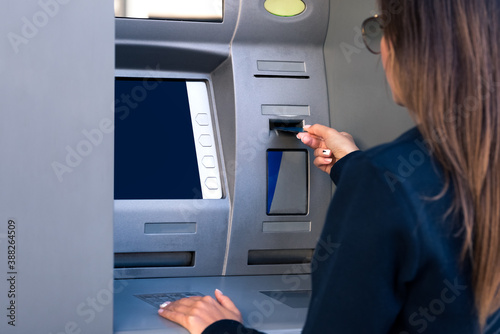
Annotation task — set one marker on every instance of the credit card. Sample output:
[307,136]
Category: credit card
[289,129]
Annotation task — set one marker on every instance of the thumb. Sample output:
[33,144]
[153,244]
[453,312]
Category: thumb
[225,301]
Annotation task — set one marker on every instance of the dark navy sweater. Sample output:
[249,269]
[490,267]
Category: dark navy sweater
[396,267]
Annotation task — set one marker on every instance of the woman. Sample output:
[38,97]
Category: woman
[418,219]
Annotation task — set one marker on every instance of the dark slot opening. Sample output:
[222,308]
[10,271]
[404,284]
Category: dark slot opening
[279,256]
[285,123]
[271,76]
[158,259]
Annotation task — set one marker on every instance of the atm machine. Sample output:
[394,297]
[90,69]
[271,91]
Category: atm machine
[208,194]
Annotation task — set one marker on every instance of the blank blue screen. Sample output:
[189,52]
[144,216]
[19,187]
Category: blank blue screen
[155,155]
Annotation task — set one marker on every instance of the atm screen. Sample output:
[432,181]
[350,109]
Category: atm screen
[155,153]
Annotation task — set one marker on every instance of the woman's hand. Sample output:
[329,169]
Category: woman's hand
[197,313]
[329,145]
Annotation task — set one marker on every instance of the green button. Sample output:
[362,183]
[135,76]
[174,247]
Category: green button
[285,7]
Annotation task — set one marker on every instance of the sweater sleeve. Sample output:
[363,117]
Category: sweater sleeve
[337,168]
[229,327]
[366,255]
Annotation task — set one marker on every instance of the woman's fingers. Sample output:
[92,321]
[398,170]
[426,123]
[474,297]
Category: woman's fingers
[185,304]
[319,162]
[194,313]
[227,303]
[197,313]
[323,153]
[324,164]
[311,140]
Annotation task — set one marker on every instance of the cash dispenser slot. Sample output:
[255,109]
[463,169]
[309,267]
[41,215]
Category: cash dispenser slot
[154,259]
[279,256]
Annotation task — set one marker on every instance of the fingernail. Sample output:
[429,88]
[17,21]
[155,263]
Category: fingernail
[164,304]
[305,127]
[160,311]
[328,161]
[327,152]
[219,291]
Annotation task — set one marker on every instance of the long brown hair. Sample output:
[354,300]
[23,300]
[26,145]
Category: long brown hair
[445,58]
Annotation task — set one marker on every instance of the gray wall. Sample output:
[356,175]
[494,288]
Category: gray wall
[360,98]
[56,90]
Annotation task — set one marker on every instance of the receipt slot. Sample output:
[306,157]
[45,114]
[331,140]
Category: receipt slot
[287,182]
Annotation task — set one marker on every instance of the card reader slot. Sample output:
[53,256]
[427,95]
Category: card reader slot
[281,76]
[279,256]
[154,259]
[285,123]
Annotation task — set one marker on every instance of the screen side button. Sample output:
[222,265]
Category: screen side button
[208,161]
[202,119]
[205,140]
[211,183]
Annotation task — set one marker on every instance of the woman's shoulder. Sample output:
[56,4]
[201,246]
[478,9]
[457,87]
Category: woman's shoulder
[405,164]
[407,152]
[396,182]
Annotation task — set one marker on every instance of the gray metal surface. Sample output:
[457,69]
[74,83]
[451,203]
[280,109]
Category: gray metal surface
[273,304]
[56,170]
[262,38]
[176,46]
[210,216]
[175,50]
